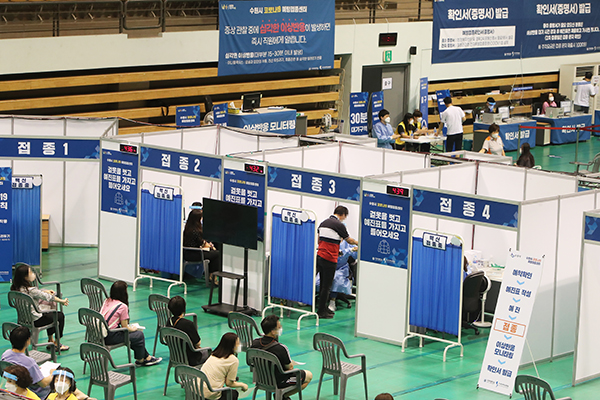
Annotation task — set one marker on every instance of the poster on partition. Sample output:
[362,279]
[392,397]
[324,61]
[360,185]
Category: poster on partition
[187,116]
[385,229]
[376,105]
[248,189]
[6,224]
[359,104]
[259,37]
[119,183]
[469,30]
[424,100]
[506,342]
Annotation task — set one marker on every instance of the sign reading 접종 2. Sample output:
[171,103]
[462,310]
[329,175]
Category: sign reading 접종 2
[257,37]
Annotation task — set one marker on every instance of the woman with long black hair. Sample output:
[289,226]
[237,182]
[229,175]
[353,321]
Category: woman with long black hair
[193,237]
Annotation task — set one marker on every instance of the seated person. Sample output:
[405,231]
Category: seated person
[526,158]
[18,380]
[63,385]
[222,366]
[178,321]
[193,237]
[405,129]
[493,143]
[549,102]
[342,283]
[115,311]
[20,339]
[490,105]
[269,342]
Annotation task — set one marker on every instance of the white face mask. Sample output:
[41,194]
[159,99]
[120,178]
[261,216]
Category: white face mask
[410,122]
[238,349]
[11,387]
[495,135]
[419,119]
[279,331]
[387,120]
[62,386]
[550,98]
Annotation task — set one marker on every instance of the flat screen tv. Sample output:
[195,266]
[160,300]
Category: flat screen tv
[230,223]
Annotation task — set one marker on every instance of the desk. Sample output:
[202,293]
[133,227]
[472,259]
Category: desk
[425,139]
[509,133]
[275,120]
[567,136]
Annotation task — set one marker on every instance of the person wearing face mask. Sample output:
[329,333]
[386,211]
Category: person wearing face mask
[383,131]
[526,158]
[272,329]
[493,143]
[18,380]
[222,366]
[178,321]
[405,129]
[63,385]
[548,103]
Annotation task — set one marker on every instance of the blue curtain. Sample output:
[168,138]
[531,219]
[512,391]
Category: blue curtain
[292,259]
[160,233]
[27,225]
[435,287]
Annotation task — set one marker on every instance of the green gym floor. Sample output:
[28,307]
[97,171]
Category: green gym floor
[419,373]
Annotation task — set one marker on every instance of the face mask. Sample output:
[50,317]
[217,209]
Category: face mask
[61,387]
[11,387]
[495,135]
[419,119]
[411,122]
[550,98]
[387,120]
[238,349]
[279,331]
[491,106]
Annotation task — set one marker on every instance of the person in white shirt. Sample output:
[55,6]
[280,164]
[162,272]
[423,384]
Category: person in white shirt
[493,143]
[583,92]
[452,118]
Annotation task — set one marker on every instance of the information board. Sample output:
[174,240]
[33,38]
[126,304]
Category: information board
[6,224]
[119,182]
[248,189]
[359,124]
[220,114]
[302,181]
[180,162]
[258,37]
[51,148]
[468,209]
[506,342]
[187,116]
[376,105]
[424,99]
[385,229]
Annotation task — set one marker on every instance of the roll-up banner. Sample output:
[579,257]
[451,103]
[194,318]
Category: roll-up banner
[6,223]
[359,103]
[376,105]
[424,99]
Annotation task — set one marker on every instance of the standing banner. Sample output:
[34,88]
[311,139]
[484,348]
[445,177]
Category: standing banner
[220,114]
[424,100]
[187,116]
[248,189]
[119,182]
[259,37]
[6,225]
[359,102]
[385,229]
[376,105]
[520,283]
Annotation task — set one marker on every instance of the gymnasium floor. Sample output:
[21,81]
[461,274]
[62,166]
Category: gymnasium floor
[419,373]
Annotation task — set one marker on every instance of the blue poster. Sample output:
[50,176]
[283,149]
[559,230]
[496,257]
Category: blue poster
[424,100]
[303,181]
[6,224]
[441,95]
[509,133]
[592,228]
[248,189]
[385,229]
[567,135]
[359,124]
[187,116]
[376,105]
[468,209]
[51,147]
[469,30]
[119,182]
[183,163]
[259,37]
[279,121]
[220,114]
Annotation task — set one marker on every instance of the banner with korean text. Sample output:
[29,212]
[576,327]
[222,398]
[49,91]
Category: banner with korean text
[258,37]
[359,104]
[424,100]
[248,189]
[119,183]
[469,30]
[520,283]
[6,225]
[376,105]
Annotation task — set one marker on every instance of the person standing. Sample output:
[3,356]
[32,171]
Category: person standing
[452,118]
[583,92]
[383,131]
[331,232]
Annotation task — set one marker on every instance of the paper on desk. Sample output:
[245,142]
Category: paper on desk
[138,326]
[47,367]
[297,363]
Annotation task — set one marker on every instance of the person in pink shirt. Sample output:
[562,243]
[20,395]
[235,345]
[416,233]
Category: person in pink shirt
[115,311]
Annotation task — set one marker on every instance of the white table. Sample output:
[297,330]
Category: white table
[425,139]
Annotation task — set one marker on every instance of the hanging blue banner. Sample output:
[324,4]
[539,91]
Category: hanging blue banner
[183,163]
[468,209]
[6,224]
[259,37]
[220,114]
[424,99]
[469,30]
[53,148]
[592,228]
[187,116]
[119,182]
[279,121]
[385,229]
[359,124]
[248,189]
[376,105]
[314,183]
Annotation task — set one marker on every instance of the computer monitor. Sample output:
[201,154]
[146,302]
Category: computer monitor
[250,101]
[566,106]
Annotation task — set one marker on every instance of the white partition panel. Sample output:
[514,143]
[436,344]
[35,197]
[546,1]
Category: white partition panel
[322,208]
[464,231]
[233,261]
[427,177]
[39,127]
[5,163]
[540,184]
[52,191]
[323,158]
[292,157]
[361,161]
[494,243]
[201,140]
[503,182]
[425,223]
[278,198]
[88,127]
[171,139]
[395,161]
[81,203]
[459,178]
[567,269]
[353,220]
[158,177]
[6,126]
[235,142]
[195,189]
[266,142]
[117,244]
[538,230]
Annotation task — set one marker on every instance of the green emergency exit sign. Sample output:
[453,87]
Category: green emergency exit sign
[387,56]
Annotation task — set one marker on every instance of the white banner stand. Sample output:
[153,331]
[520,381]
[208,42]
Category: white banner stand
[507,339]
